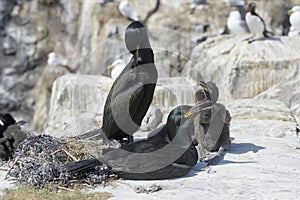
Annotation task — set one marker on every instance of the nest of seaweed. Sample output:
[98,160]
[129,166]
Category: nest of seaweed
[39,162]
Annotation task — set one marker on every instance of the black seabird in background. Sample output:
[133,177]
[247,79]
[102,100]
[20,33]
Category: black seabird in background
[5,121]
[132,92]
[256,24]
[11,135]
[168,154]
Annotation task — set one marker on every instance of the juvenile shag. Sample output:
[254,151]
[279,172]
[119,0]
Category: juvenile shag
[212,128]
[170,153]
[132,92]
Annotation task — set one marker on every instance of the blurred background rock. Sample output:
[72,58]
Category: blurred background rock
[89,34]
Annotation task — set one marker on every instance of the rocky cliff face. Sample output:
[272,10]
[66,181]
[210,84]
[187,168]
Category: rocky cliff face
[263,69]
[246,70]
[91,35]
[77,101]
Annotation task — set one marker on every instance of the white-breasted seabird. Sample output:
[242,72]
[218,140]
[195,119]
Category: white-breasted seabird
[256,24]
[116,68]
[293,32]
[236,24]
[128,11]
[295,17]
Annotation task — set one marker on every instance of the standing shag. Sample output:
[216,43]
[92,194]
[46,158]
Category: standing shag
[168,154]
[132,92]
[256,24]
[212,128]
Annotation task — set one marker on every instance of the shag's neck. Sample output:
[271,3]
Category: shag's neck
[144,55]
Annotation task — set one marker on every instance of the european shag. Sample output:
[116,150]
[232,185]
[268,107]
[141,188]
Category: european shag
[132,92]
[11,135]
[5,121]
[168,154]
[212,128]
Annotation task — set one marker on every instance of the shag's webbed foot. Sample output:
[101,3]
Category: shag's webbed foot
[212,158]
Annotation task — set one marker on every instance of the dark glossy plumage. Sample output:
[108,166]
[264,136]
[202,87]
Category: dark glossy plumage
[11,135]
[168,154]
[6,120]
[132,92]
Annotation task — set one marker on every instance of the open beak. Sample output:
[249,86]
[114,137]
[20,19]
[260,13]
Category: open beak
[205,89]
[198,109]
[204,86]
[290,12]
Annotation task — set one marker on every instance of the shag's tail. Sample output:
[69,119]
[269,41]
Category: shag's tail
[82,165]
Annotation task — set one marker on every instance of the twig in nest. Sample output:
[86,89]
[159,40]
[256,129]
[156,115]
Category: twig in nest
[12,166]
[88,185]
[70,155]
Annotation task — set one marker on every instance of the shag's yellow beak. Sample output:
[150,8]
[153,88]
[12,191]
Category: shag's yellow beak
[197,109]
[290,12]
[110,67]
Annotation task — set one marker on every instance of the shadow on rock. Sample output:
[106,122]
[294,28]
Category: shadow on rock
[242,148]
[277,39]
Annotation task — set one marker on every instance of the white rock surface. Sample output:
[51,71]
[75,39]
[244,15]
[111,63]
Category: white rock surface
[77,101]
[77,104]
[260,164]
[152,119]
[246,70]
[288,92]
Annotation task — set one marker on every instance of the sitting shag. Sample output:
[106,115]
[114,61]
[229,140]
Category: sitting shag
[146,159]
[212,128]
[11,135]
[132,92]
